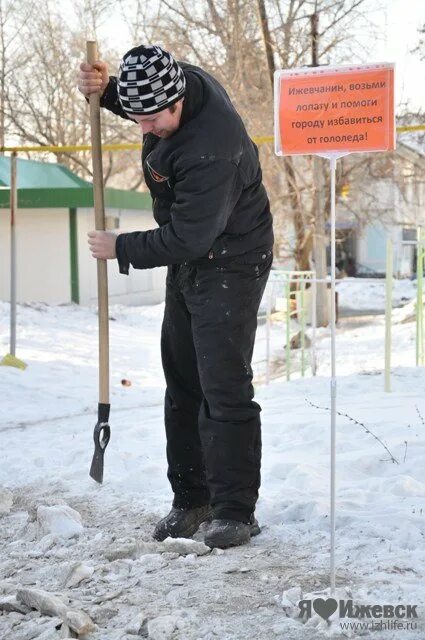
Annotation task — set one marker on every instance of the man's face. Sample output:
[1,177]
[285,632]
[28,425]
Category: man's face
[162,124]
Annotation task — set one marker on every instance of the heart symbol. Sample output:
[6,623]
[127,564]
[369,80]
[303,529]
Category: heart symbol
[325,608]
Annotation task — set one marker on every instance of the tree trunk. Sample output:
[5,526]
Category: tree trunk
[320,239]
[320,242]
[303,242]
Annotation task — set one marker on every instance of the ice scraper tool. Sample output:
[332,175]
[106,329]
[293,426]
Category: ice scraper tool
[102,430]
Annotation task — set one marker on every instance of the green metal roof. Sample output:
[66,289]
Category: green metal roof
[32,173]
[44,185]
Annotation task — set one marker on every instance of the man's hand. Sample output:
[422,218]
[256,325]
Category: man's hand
[102,244]
[93,79]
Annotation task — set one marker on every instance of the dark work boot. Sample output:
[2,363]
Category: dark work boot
[230,533]
[181,523]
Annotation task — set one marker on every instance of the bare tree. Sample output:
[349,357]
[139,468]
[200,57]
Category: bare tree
[222,36]
[10,53]
[92,14]
[225,38]
[287,42]
[420,47]
[141,18]
[43,105]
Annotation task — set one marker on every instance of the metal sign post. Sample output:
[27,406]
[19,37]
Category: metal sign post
[333,375]
[333,157]
[332,112]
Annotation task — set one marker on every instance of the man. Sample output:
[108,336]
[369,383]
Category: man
[215,234]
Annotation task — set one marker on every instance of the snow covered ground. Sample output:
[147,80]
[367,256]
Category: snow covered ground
[368,294]
[130,585]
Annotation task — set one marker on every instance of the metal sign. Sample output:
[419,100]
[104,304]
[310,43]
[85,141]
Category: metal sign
[338,110]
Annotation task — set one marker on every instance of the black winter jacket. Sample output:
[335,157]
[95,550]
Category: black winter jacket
[205,181]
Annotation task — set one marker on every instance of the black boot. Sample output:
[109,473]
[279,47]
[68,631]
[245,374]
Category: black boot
[181,523]
[230,533]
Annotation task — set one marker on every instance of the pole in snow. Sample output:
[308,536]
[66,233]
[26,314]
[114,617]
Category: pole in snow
[10,359]
[321,112]
[333,375]
[388,312]
[419,299]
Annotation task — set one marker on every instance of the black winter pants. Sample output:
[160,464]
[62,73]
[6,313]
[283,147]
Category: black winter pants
[212,423]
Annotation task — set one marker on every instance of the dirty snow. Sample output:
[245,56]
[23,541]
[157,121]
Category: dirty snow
[129,585]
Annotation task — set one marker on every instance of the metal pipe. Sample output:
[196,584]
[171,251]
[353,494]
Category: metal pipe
[314,323]
[419,300]
[268,323]
[333,376]
[388,313]
[302,330]
[13,209]
[288,327]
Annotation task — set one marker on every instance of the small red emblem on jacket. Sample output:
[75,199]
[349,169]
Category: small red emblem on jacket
[155,175]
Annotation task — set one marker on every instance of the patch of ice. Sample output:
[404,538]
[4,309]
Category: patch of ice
[185,546]
[162,627]
[6,501]
[60,520]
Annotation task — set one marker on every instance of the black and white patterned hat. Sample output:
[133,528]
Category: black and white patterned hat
[149,80]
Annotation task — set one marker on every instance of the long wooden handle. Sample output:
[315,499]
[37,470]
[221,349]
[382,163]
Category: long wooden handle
[99,212]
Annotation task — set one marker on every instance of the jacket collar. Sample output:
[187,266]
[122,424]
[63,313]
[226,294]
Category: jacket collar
[193,97]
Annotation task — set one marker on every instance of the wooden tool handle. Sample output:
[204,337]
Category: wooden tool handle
[99,212]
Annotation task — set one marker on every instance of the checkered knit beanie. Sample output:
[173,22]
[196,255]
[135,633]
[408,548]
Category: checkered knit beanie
[149,80]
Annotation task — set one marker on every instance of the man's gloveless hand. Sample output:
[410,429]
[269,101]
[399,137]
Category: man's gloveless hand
[102,244]
[93,78]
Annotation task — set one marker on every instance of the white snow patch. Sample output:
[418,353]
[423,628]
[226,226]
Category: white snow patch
[60,520]
[185,546]
[369,294]
[48,414]
[162,627]
[6,501]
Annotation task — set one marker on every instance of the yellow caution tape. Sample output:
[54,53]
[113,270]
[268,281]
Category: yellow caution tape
[82,147]
[263,139]
[411,127]
[136,146]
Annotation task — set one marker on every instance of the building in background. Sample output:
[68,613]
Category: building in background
[384,199]
[55,212]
